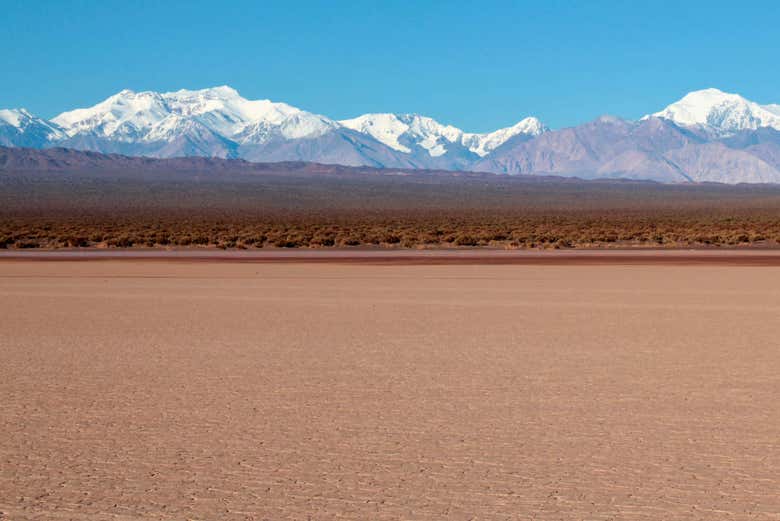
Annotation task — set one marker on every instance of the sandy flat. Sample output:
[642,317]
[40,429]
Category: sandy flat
[248,391]
[482,256]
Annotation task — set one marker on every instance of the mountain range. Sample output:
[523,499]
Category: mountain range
[707,136]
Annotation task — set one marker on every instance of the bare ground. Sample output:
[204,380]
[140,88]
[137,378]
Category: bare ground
[213,390]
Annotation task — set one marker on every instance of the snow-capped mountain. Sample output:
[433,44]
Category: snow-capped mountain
[708,135]
[483,144]
[150,116]
[125,116]
[721,113]
[405,132]
[19,128]
[247,121]
[220,122]
[653,148]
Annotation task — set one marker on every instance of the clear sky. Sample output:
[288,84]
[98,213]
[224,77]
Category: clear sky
[478,65]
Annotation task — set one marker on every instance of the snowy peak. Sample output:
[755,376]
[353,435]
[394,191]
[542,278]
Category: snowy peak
[385,128]
[174,126]
[23,120]
[130,116]
[15,117]
[403,132]
[124,116]
[728,138]
[226,112]
[18,127]
[720,112]
[483,144]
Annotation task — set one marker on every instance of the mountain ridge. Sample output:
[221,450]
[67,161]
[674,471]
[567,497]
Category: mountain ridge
[708,135]
[262,129]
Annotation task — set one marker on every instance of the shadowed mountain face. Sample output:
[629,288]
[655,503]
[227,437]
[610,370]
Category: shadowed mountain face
[707,136]
[337,146]
[763,143]
[196,142]
[652,148]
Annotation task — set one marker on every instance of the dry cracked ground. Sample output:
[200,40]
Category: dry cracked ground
[158,390]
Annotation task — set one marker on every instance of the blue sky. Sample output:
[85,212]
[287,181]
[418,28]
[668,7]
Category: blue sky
[477,65]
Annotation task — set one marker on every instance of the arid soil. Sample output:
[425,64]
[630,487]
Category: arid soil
[325,211]
[216,390]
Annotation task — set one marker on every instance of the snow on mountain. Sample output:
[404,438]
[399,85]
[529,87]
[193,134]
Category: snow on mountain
[14,117]
[24,120]
[653,148]
[192,119]
[403,131]
[708,135]
[196,134]
[125,116]
[483,144]
[248,121]
[150,116]
[773,108]
[20,128]
[720,112]
[180,136]
[294,125]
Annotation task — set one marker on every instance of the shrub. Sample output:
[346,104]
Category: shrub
[465,240]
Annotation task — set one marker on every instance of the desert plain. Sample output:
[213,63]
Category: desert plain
[215,390]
